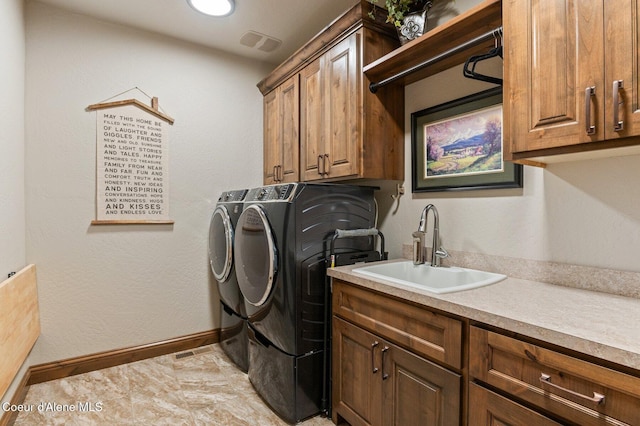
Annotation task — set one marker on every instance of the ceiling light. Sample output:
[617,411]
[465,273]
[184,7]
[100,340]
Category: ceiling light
[213,7]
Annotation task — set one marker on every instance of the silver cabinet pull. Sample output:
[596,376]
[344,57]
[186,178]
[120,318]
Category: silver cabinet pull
[374,369]
[280,176]
[589,92]
[598,398]
[320,158]
[275,173]
[385,376]
[618,125]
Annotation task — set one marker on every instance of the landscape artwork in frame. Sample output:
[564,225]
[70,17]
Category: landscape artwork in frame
[458,146]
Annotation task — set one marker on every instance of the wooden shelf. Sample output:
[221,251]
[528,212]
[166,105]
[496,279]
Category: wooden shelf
[476,21]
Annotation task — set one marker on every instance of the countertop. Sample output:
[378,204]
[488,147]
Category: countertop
[602,325]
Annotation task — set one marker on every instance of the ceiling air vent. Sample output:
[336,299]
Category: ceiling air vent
[260,41]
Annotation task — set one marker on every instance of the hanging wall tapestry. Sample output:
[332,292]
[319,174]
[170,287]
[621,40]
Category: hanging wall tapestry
[132,163]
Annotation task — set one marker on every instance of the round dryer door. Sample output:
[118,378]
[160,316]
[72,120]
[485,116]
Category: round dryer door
[256,255]
[221,244]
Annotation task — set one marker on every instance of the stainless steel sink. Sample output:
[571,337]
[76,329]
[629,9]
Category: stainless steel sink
[424,276]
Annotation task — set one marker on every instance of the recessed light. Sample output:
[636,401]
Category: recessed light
[213,7]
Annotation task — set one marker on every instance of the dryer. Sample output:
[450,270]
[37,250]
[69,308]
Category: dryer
[233,315]
[281,245]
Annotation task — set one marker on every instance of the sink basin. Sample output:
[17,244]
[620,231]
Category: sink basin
[436,280]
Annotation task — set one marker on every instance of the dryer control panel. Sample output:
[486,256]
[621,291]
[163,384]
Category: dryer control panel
[233,196]
[272,193]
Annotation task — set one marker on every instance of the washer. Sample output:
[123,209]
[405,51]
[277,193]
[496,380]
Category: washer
[281,245]
[233,315]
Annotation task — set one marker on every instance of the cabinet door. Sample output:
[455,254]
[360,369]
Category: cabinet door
[343,116]
[356,391]
[312,137]
[490,409]
[289,122]
[554,54]
[417,391]
[621,64]
[272,144]
[281,123]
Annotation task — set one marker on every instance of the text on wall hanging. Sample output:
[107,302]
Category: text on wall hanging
[132,163]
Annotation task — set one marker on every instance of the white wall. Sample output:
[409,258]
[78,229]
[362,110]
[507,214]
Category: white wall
[12,118]
[12,207]
[583,212]
[108,287]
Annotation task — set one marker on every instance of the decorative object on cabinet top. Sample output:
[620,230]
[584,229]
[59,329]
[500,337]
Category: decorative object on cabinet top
[398,9]
[408,16]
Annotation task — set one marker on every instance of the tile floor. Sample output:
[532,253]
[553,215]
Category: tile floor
[203,389]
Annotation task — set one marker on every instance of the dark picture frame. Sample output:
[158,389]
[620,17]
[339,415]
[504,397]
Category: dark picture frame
[458,146]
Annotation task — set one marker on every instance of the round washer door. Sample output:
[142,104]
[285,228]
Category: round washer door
[256,255]
[221,244]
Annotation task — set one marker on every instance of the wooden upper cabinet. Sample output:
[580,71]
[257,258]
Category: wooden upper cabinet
[561,61]
[312,138]
[281,126]
[345,131]
[331,88]
[272,139]
[622,59]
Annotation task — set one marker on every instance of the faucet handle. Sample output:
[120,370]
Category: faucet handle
[442,253]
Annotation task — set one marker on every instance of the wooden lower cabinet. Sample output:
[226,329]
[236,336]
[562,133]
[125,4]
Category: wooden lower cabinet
[487,408]
[563,386]
[376,382]
[395,362]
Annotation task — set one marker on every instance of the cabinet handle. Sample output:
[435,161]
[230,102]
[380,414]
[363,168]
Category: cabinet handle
[589,92]
[385,376]
[280,173]
[618,124]
[374,369]
[324,165]
[320,158]
[275,173]
[598,398]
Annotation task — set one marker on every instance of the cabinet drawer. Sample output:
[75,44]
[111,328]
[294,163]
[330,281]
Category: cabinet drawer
[488,408]
[417,329]
[576,390]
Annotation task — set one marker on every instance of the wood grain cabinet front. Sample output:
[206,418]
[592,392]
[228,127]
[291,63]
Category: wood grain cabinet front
[490,409]
[379,378]
[281,127]
[329,104]
[339,129]
[571,389]
[571,76]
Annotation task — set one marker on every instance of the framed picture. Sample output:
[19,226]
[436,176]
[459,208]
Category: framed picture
[458,146]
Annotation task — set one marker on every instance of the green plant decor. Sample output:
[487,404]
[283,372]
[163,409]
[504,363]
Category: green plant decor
[397,9]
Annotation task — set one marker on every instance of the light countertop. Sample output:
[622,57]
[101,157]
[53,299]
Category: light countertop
[598,324]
